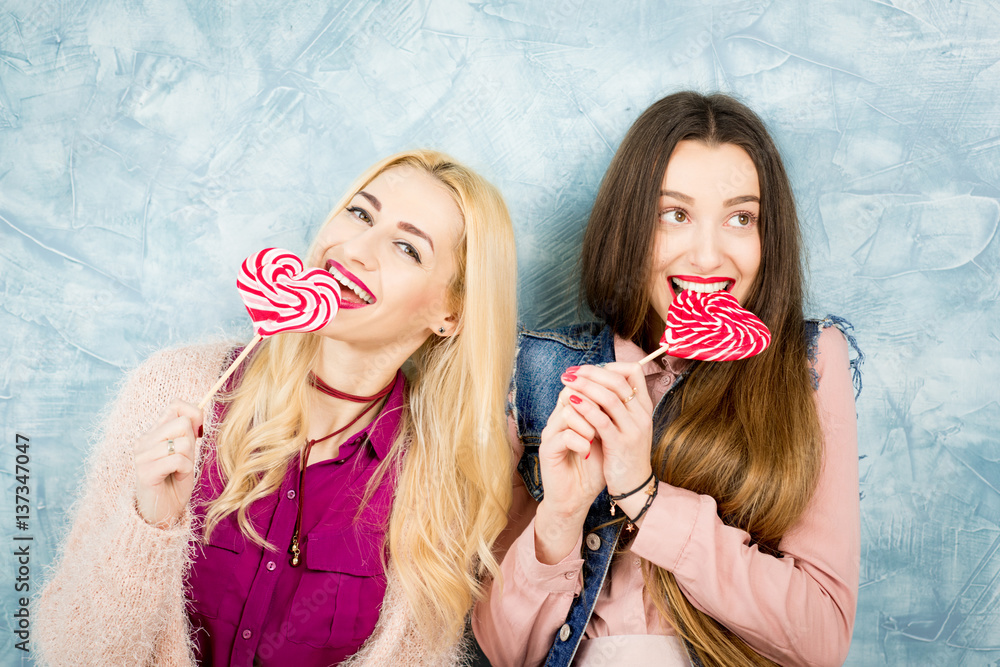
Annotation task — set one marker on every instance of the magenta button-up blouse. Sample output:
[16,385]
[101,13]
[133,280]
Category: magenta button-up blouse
[249,606]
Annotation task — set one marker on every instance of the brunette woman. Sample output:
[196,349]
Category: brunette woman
[733,538]
[257,533]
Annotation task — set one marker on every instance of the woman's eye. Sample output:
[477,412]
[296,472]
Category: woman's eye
[409,250]
[360,213]
[674,215]
[742,220]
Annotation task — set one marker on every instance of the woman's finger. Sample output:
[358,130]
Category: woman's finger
[635,378]
[604,427]
[178,408]
[567,430]
[574,442]
[574,420]
[157,470]
[156,443]
[611,399]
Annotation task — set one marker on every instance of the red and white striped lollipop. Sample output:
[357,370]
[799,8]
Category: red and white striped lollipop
[711,326]
[281,296]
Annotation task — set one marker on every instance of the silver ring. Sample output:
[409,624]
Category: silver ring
[170,447]
[631,396]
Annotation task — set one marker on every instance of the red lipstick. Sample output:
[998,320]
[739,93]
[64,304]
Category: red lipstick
[349,297]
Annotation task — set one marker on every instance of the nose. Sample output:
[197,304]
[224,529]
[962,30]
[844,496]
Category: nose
[706,253]
[360,248]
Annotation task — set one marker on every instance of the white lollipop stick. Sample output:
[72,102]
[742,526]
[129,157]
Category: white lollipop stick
[229,371]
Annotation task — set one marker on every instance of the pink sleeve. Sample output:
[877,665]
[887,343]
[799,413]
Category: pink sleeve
[796,610]
[116,593]
[516,623]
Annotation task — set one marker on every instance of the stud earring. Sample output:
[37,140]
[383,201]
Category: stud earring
[441,330]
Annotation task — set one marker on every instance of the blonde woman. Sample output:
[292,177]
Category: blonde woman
[326,502]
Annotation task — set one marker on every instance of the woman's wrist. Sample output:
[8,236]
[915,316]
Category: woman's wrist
[630,484]
[163,524]
[556,533]
[635,502]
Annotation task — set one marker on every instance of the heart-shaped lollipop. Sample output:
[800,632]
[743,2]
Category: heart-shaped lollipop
[281,296]
[711,327]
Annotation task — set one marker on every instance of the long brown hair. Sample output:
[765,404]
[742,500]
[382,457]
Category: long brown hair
[744,432]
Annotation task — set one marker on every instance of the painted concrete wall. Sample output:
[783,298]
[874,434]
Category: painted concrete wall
[147,146]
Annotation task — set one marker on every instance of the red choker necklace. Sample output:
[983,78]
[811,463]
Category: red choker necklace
[317,382]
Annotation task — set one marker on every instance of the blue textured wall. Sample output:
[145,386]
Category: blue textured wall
[146,146]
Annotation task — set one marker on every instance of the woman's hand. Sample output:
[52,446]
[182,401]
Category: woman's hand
[572,470]
[164,464]
[614,401]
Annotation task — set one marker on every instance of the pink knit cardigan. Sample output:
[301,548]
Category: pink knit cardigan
[116,593]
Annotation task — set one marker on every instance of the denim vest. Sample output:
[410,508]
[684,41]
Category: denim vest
[543,356]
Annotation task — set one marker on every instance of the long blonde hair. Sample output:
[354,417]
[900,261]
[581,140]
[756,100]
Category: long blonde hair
[453,490]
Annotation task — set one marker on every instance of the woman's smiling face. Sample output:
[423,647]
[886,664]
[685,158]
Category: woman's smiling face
[393,252]
[707,238]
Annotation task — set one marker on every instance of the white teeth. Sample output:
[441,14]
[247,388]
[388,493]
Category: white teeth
[701,287]
[342,279]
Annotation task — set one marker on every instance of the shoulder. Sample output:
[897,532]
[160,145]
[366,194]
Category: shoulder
[543,352]
[832,347]
[570,342]
[542,357]
[181,372]
[574,345]
[181,369]
[186,360]
[572,337]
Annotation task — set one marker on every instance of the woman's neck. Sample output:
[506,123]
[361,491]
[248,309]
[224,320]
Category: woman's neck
[356,371]
[352,371]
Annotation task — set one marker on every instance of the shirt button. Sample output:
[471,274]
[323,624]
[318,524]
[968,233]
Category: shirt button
[564,632]
[593,541]
[270,565]
[569,575]
[247,634]
[290,494]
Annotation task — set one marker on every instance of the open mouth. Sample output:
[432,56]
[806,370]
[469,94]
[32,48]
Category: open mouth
[698,284]
[355,293]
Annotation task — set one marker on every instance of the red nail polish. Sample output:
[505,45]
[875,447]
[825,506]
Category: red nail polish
[572,368]
[201,431]
[575,399]
[568,377]
[587,456]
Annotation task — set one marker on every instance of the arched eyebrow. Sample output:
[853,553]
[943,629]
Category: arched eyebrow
[742,199]
[677,195]
[373,199]
[416,231]
[402,225]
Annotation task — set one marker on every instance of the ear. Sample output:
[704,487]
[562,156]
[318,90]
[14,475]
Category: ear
[447,327]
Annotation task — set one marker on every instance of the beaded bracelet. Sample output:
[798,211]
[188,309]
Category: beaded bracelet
[623,496]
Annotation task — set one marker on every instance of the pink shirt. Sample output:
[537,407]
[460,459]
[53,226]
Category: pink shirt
[249,606]
[796,610]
